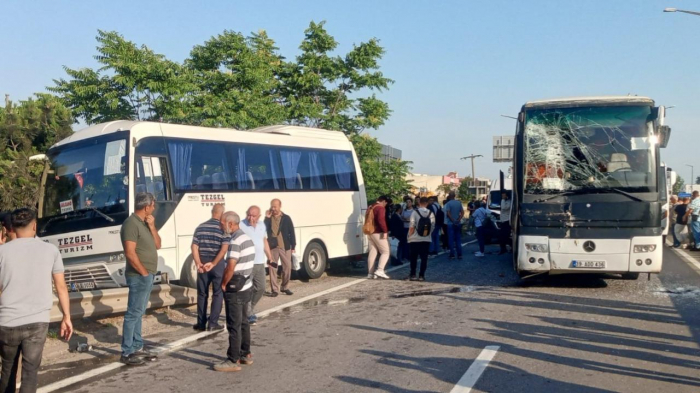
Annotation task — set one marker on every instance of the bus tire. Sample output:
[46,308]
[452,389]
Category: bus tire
[188,275]
[630,276]
[314,262]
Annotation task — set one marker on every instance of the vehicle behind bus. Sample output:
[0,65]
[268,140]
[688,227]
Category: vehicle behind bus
[90,179]
[589,186]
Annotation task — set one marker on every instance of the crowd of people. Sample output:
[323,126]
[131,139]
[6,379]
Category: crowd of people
[684,214]
[421,226]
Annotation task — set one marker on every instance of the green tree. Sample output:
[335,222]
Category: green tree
[25,130]
[463,192]
[444,189]
[380,177]
[679,186]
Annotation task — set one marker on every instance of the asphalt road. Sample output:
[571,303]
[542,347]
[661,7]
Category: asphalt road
[567,333]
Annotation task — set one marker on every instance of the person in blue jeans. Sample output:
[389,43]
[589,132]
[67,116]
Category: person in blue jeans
[141,242]
[454,212]
[434,207]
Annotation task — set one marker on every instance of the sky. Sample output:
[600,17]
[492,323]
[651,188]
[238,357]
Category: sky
[457,65]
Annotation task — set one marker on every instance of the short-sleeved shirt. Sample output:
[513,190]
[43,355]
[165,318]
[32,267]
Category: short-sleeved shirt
[209,238]
[406,216]
[136,230]
[26,269]
[695,205]
[415,217]
[680,210]
[506,205]
[242,249]
[454,208]
[258,234]
[480,215]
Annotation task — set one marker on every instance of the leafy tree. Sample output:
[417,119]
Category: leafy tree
[380,177]
[697,180]
[463,192]
[679,186]
[445,189]
[27,129]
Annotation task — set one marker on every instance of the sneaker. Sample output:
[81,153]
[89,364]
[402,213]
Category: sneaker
[131,360]
[421,278]
[252,320]
[199,328]
[146,355]
[214,327]
[247,359]
[227,366]
[479,254]
[381,274]
[452,257]
[410,278]
[370,276]
[288,292]
[274,294]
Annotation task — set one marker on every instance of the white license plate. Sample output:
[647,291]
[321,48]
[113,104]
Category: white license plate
[588,264]
[82,286]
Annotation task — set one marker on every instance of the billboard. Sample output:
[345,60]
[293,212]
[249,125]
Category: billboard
[503,147]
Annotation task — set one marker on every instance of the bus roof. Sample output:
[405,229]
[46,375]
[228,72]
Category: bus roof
[595,100]
[144,128]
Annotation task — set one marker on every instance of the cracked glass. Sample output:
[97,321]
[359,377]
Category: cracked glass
[592,147]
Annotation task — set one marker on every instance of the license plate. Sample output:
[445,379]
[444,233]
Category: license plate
[588,264]
[82,286]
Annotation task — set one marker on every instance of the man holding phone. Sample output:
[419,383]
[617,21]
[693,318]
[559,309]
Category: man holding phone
[141,243]
[27,266]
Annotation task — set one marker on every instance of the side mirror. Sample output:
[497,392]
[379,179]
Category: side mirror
[664,135]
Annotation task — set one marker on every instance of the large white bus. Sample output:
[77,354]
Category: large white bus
[589,186]
[90,179]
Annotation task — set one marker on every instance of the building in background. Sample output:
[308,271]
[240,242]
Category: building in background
[390,153]
[429,185]
[480,187]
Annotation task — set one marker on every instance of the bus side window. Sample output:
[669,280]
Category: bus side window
[150,177]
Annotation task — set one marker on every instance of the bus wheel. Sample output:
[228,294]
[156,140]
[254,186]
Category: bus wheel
[630,276]
[315,261]
[188,275]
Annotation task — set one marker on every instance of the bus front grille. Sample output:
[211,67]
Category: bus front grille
[91,277]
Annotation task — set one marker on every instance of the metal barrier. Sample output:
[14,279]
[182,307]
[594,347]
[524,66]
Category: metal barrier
[113,301]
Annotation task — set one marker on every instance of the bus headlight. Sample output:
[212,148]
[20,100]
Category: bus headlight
[644,248]
[117,257]
[534,247]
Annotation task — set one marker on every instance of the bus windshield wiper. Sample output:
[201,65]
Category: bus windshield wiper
[93,208]
[60,217]
[591,191]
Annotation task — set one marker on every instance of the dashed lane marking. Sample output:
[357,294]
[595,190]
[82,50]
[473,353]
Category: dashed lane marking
[469,379]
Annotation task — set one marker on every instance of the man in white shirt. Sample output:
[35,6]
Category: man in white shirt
[504,222]
[256,230]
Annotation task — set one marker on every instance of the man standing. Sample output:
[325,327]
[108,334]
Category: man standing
[257,231]
[471,208]
[27,266]
[280,235]
[672,219]
[434,207]
[237,285]
[504,221]
[209,247]
[694,221]
[419,237]
[378,241]
[454,212]
[480,216]
[141,242]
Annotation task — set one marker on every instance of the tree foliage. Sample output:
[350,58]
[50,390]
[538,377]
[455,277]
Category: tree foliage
[381,177]
[463,191]
[242,82]
[679,186]
[25,130]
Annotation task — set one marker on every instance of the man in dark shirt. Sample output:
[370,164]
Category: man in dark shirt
[209,246]
[141,242]
[282,241]
[378,241]
[680,227]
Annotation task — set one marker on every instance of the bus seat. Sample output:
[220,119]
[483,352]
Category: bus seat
[251,179]
[301,185]
[219,181]
[140,188]
[618,163]
[203,183]
[628,178]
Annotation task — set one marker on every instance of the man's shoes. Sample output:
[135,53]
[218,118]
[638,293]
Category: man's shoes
[131,360]
[410,278]
[479,254]
[381,274]
[247,359]
[452,257]
[421,278]
[274,294]
[288,292]
[199,328]
[252,320]
[370,276]
[214,327]
[146,355]
[227,366]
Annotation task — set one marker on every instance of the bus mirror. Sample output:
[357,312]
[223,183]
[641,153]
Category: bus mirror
[664,135]
[126,180]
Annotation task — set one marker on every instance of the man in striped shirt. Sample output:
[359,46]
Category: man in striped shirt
[237,285]
[209,247]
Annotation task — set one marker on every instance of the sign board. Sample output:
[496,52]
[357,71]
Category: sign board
[503,148]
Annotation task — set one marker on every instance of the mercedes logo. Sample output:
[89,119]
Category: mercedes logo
[589,246]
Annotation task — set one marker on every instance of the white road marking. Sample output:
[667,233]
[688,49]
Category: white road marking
[469,379]
[178,344]
[687,258]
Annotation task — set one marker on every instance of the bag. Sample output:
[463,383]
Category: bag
[368,226]
[423,225]
[439,218]
[236,283]
[296,265]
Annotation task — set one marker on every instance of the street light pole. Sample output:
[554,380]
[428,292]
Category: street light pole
[683,11]
[472,157]
[692,179]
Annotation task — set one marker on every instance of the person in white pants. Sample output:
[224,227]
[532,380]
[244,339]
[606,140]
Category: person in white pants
[378,241]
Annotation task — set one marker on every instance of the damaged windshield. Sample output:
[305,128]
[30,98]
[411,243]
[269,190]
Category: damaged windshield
[589,148]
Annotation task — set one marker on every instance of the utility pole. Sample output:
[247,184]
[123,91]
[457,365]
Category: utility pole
[472,157]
